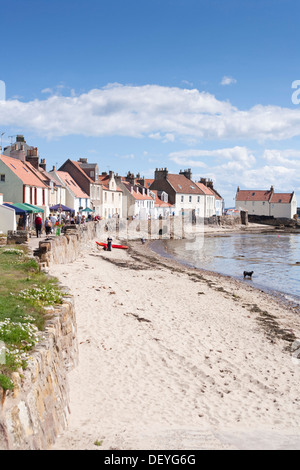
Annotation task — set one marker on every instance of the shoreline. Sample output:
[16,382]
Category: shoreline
[288,300]
[174,358]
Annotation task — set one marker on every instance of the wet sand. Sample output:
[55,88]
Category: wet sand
[175,358]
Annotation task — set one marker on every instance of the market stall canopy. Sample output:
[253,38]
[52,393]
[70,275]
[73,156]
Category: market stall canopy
[25,208]
[34,208]
[87,209]
[58,207]
[17,209]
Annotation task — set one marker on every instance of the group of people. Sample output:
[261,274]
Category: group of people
[57,222]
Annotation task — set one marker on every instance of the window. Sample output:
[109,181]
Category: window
[2,178]
[113,197]
[182,198]
[198,199]
[190,198]
[105,197]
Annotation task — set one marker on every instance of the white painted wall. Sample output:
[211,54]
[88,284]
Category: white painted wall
[12,188]
[7,219]
[192,202]
[254,207]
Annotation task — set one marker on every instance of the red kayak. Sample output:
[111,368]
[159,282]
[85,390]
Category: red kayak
[123,247]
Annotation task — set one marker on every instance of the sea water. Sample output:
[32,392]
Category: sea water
[273,257]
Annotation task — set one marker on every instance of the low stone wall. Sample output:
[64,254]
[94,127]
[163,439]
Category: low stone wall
[17,237]
[32,416]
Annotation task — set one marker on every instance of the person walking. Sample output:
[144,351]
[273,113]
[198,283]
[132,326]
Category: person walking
[38,225]
[48,226]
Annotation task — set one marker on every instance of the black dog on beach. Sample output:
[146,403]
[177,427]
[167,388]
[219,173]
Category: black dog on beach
[248,274]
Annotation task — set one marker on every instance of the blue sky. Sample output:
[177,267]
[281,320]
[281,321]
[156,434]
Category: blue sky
[135,85]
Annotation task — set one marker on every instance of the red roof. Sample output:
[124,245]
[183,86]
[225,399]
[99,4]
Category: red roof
[253,195]
[104,180]
[23,170]
[205,189]
[148,182]
[77,165]
[281,198]
[183,185]
[137,195]
[71,183]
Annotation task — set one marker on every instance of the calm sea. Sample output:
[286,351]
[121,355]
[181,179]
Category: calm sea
[272,256]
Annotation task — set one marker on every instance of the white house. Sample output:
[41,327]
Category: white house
[20,182]
[112,196]
[184,194]
[266,203]
[283,205]
[137,200]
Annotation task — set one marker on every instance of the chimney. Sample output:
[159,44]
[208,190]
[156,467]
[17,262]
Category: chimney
[130,177]
[161,174]
[33,158]
[53,169]
[43,164]
[203,181]
[20,138]
[272,189]
[83,160]
[210,184]
[187,173]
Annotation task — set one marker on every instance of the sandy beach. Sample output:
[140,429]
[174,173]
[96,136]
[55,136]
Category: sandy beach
[175,358]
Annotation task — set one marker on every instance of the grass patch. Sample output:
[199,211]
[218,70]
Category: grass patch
[24,294]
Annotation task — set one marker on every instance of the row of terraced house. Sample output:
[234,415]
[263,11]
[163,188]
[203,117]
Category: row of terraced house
[78,185]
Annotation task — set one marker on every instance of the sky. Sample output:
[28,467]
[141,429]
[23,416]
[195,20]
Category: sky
[135,85]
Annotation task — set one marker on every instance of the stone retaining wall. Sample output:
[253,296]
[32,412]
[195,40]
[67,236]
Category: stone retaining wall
[32,416]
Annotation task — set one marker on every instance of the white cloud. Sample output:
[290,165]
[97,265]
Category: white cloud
[240,166]
[228,80]
[191,157]
[154,111]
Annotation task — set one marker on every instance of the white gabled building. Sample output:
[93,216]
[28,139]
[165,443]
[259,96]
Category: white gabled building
[20,182]
[137,200]
[266,203]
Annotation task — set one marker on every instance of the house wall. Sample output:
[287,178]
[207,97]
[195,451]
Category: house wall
[194,202]
[12,187]
[254,207]
[96,198]
[7,219]
[279,210]
[210,206]
[112,203]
